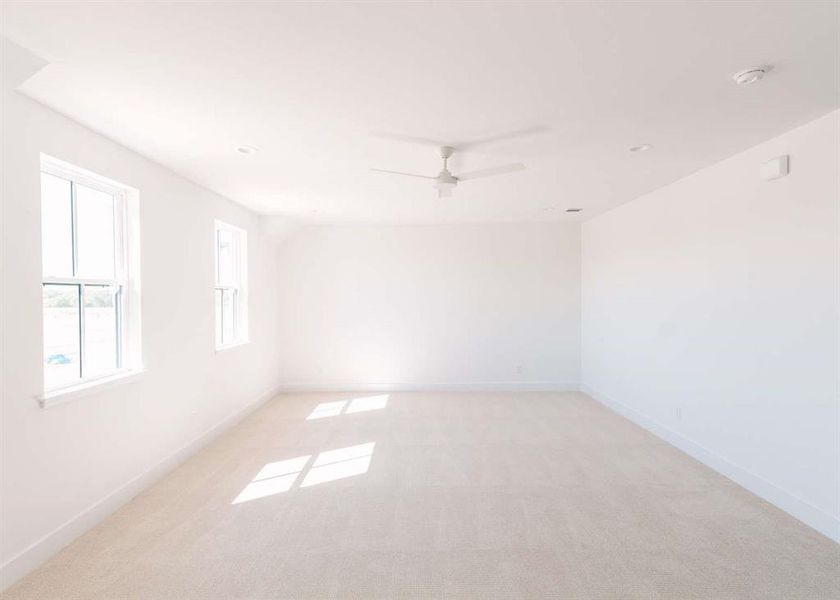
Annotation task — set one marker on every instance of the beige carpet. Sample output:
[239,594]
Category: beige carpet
[442,496]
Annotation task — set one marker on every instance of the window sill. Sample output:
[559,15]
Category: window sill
[232,345]
[65,394]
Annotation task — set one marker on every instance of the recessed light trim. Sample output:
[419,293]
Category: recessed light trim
[247,150]
[750,76]
[641,148]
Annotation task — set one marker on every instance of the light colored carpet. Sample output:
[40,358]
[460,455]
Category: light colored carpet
[442,496]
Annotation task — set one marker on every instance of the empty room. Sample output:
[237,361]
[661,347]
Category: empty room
[455,299]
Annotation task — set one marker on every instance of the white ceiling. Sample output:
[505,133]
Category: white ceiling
[184,83]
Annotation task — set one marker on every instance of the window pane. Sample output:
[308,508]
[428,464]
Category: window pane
[95,231]
[228,316]
[225,253]
[56,227]
[218,317]
[61,335]
[100,330]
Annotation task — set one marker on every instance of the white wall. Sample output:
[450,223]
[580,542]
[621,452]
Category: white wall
[59,462]
[456,306]
[710,315]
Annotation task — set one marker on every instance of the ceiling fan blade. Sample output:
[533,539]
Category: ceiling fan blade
[490,172]
[411,139]
[470,144]
[402,173]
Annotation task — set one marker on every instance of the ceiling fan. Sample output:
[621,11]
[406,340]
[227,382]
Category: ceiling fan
[445,181]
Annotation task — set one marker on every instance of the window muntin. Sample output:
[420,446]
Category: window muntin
[231,289]
[84,276]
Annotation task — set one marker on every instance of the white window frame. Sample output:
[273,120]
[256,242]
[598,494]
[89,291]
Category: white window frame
[126,278]
[239,287]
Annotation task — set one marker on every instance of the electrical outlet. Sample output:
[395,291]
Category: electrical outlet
[679,413]
[519,369]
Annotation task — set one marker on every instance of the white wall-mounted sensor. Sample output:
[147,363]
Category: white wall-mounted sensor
[775,168]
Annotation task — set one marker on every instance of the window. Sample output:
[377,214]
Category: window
[231,286]
[90,286]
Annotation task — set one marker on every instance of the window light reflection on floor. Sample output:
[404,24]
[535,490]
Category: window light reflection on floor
[330,465]
[273,478]
[338,464]
[356,405]
[367,403]
[327,409]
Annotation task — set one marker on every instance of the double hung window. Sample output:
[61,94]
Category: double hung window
[231,289]
[85,266]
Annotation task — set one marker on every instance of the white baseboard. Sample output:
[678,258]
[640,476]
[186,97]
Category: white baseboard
[484,386]
[43,549]
[791,504]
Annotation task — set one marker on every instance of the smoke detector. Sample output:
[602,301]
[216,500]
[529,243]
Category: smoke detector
[751,75]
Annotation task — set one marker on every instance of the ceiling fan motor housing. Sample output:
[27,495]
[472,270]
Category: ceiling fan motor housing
[446,177]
